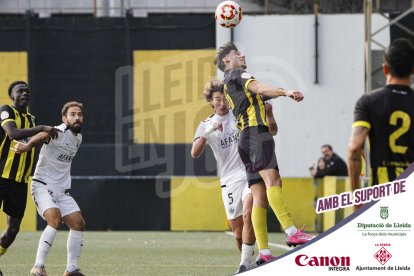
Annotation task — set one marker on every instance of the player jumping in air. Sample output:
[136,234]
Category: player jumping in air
[256,146]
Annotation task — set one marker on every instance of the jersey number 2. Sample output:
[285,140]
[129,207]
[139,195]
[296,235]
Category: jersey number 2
[406,122]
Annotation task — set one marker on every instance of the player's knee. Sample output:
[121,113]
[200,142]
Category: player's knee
[55,222]
[237,231]
[261,200]
[278,182]
[81,225]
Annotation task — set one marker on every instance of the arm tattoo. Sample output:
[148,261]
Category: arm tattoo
[356,159]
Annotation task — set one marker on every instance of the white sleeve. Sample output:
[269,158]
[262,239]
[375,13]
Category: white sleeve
[62,128]
[200,130]
[55,142]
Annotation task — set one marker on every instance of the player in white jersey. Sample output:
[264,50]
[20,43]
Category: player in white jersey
[236,195]
[50,188]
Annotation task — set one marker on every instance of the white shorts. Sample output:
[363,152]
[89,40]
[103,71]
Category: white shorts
[45,198]
[233,197]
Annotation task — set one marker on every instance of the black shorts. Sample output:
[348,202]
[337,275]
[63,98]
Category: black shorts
[257,152]
[13,197]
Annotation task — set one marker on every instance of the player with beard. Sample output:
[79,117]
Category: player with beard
[51,184]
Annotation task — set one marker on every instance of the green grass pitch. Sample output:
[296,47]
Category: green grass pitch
[135,253]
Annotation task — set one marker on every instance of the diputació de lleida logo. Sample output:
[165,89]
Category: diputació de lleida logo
[384,212]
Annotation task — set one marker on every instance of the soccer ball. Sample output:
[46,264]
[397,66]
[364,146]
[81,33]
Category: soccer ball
[228,14]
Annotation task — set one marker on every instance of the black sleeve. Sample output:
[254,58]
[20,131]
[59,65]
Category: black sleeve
[241,77]
[6,114]
[362,110]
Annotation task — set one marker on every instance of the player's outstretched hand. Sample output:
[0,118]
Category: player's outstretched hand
[20,147]
[53,132]
[295,95]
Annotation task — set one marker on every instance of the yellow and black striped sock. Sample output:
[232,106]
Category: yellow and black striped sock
[275,198]
[259,220]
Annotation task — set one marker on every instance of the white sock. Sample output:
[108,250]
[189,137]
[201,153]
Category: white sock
[45,243]
[291,230]
[74,247]
[246,254]
[265,251]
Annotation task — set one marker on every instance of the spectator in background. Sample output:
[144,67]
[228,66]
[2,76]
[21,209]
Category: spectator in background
[320,166]
[335,165]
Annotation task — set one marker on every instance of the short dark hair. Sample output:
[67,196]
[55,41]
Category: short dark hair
[222,52]
[68,105]
[400,57]
[213,85]
[13,84]
[327,146]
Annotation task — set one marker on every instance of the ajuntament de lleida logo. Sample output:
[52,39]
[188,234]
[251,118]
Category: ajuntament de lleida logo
[384,212]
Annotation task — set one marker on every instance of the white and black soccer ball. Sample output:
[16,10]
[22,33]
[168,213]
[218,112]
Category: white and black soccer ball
[228,14]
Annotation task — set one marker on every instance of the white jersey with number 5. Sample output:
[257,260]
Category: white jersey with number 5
[224,144]
[55,159]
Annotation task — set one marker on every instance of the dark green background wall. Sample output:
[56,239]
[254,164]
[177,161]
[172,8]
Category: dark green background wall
[76,58]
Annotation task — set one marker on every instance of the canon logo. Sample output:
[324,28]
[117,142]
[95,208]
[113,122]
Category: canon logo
[303,260]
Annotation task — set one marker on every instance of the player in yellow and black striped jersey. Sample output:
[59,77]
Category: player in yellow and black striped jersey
[16,124]
[249,106]
[16,167]
[256,145]
[386,115]
[391,108]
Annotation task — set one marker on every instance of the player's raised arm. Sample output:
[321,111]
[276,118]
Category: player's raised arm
[271,92]
[200,140]
[37,140]
[199,143]
[15,133]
